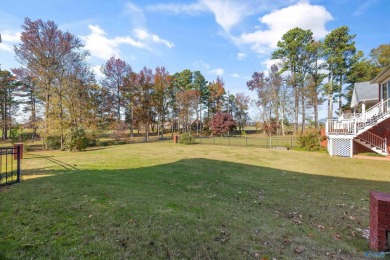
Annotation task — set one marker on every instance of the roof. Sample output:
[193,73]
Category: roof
[364,91]
[384,74]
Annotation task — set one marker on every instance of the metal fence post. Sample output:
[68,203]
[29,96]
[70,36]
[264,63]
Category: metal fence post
[246,141]
[18,163]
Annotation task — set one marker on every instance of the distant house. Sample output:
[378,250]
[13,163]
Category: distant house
[368,127]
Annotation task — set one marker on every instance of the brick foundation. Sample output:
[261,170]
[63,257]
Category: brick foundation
[379,221]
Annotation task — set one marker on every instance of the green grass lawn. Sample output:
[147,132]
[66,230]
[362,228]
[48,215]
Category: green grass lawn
[164,200]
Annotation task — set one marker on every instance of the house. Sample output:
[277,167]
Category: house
[368,127]
[364,96]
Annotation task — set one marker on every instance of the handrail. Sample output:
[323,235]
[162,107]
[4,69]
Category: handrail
[374,140]
[376,110]
[360,121]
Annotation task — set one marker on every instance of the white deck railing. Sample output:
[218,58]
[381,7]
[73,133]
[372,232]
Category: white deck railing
[351,125]
[374,140]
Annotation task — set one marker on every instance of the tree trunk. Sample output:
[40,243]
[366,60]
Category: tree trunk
[33,116]
[282,123]
[119,105]
[330,97]
[47,107]
[4,128]
[303,108]
[340,96]
[132,121]
[315,105]
[296,108]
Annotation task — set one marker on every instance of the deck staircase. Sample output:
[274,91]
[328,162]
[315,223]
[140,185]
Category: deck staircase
[355,127]
[373,142]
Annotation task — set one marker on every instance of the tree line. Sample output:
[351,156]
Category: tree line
[59,90]
[310,72]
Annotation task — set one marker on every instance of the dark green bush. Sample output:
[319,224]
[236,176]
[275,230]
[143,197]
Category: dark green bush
[102,143]
[186,138]
[15,134]
[310,140]
[53,142]
[119,142]
[76,140]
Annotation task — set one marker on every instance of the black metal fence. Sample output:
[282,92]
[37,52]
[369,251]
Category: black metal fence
[10,165]
[264,142]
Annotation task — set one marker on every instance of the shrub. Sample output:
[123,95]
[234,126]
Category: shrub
[186,138]
[222,123]
[103,143]
[93,139]
[17,135]
[53,142]
[310,140]
[76,140]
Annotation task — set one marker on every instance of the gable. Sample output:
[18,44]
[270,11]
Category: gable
[363,92]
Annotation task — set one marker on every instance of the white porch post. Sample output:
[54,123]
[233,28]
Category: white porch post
[364,110]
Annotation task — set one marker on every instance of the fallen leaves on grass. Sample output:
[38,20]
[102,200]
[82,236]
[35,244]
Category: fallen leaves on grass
[299,249]
[297,221]
[321,227]
[336,237]
[223,237]
[365,232]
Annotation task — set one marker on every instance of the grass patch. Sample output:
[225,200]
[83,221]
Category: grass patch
[171,201]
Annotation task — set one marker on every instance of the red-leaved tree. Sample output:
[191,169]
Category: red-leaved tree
[222,123]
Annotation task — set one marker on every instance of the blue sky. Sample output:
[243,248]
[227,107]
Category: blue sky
[227,38]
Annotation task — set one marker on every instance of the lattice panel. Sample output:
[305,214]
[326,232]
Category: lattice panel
[341,147]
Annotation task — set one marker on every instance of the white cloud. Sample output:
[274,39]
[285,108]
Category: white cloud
[227,13]
[136,14]
[175,8]
[303,15]
[241,56]
[6,47]
[103,47]
[96,69]
[144,35]
[362,8]
[216,72]
[199,64]
[268,63]
[235,75]
[8,40]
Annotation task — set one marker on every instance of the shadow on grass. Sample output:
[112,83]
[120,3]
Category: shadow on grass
[63,165]
[192,208]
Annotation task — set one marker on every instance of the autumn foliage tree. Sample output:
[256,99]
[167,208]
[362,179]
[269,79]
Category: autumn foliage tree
[115,71]
[222,123]
[47,53]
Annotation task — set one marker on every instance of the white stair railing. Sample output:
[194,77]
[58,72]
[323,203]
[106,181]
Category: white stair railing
[376,111]
[374,140]
[360,122]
